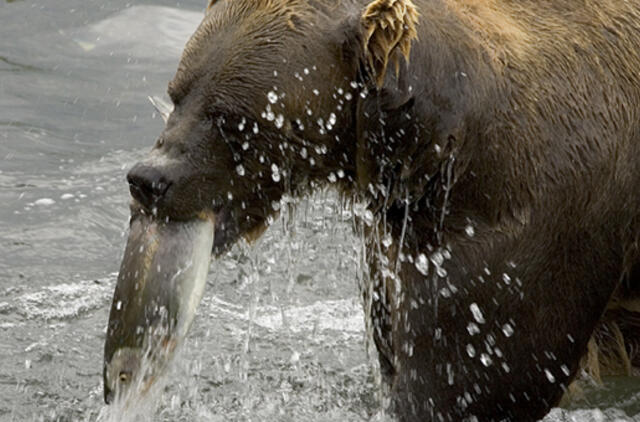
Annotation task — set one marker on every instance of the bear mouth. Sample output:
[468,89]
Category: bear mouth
[226,232]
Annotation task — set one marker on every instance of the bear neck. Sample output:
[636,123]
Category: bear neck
[420,136]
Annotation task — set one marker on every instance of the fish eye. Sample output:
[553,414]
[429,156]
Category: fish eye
[124,376]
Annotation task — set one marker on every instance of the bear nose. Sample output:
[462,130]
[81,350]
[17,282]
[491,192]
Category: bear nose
[147,185]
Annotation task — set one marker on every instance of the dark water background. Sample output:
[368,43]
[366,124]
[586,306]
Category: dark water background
[280,332]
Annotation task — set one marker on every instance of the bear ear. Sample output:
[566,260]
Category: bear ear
[210,3]
[388,28]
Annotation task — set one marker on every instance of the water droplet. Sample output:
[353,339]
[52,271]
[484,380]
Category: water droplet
[470,230]
[507,329]
[437,258]
[255,128]
[303,153]
[422,264]
[473,328]
[565,370]
[332,119]
[368,218]
[332,177]
[486,359]
[242,124]
[387,240]
[491,340]
[550,376]
[275,173]
[505,367]
[477,313]
[348,96]
[269,114]
[279,121]
[316,92]
[240,169]
[340,174]
[245,146]
[471,351]
[506,278]
[272,96]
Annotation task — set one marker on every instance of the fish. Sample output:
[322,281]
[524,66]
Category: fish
[159,287]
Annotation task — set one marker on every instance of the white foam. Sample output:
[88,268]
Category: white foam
[45,201]
[588,415]
[64,300]
[337,315]
[344,315]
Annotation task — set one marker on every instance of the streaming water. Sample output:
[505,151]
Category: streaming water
[280,334]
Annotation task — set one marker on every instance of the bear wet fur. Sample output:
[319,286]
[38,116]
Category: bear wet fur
[496,143]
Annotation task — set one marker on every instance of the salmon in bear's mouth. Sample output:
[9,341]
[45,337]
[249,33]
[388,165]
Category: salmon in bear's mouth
[160,284]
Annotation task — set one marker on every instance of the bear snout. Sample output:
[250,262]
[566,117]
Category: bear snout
[147,185]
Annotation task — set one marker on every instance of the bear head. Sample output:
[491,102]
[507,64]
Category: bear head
[267,101]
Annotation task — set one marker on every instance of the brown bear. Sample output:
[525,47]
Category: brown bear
[495,143]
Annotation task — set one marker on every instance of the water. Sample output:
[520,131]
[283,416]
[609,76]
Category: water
[280,332]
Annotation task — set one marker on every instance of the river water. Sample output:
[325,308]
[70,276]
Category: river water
[280,332]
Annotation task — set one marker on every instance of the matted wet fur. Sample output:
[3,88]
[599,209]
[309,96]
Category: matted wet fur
[498,161]
[615,345]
